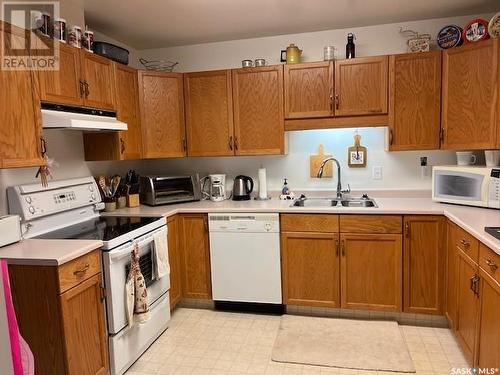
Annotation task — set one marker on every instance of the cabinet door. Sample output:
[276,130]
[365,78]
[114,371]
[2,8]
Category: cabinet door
[161,98]
[64,85]
[174,260]
[361,86]
[196,282]
[489,333]
[309,90]
[123,145]
[371,271]
[85,336]
[469,89]
[451,275]
[310,266]
[97,73]
[467,302]
[209,113]
[424,264]
[20,122]
[259,125]
[414,101]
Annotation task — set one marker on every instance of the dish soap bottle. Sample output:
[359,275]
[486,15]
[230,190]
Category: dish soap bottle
[285,190]
[350,48]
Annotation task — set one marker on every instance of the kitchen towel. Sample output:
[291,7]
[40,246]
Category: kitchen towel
[161,267]
[136,294]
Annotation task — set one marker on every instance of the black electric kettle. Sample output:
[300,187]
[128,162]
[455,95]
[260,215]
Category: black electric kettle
[242,187]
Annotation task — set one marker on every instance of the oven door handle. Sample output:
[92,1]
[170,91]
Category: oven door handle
[116,256]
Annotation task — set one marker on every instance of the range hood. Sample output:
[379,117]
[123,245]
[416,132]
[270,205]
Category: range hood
[55,116]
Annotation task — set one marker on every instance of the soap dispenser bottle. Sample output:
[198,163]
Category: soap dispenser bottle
[285,190]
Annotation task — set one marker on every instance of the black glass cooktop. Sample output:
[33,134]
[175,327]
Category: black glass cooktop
[103,228]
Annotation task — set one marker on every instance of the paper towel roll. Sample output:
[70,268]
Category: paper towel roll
[262,183]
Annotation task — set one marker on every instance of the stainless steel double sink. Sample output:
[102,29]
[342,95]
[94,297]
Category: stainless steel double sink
[334,202]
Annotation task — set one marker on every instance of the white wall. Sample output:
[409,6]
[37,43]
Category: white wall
[372,40]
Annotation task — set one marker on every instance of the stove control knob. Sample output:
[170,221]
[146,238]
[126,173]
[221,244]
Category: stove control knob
[92,196]
[91,187]
[268,227]
[28,200]
[32,210]
[365,196]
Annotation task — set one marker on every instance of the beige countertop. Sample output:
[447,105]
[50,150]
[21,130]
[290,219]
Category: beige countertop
[57,252]
[471,219]
[40,252]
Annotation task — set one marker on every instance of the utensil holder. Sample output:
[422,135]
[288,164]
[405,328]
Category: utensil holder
[121,202]
[109,206]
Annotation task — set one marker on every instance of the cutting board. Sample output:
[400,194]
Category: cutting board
[315,162]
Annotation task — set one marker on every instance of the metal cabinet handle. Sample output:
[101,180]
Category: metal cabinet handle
[331,103]
[81,271]
[87,89]
[184,144]
[337,245]
[407,230]
[465,243]
[231,143]
[492,265]
[82,89]
[476,286]
[337,101]
[122,146]
[236,143]
[391,136]
[103,292]
[343,248]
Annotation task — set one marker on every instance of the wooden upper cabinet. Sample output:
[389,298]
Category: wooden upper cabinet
[85,337]
[470,88]
[259,126]
[361,86]
[20,122]
[127,110]
[161,98]
[209,113]
[424,264]
[63,85]
[371,274]
[308,90]
[414,101]
[488,351]
[123,145]
[97,72]
[196,281]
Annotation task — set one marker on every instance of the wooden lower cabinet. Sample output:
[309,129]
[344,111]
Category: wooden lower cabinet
[451,275]
[424,263]
[371,276]
[488,346]
[195,268]
[174,258]
[310,266]
[65,328]
[468,304]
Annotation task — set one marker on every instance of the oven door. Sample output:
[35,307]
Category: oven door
[116,264]
[460,186]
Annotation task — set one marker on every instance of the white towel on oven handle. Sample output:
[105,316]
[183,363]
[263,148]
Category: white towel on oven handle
[161,266]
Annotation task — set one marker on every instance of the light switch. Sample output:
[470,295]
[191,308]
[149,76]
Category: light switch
[377,173]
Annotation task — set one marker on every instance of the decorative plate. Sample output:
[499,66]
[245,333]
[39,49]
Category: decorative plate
[449,36]
[494,26]
[476,30]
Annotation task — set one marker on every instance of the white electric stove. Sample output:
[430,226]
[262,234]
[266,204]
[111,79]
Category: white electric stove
[69,209]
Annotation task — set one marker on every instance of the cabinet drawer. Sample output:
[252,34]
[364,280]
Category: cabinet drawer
[467,243]
[371,224]
[309,223]
[489,261]
[78,270]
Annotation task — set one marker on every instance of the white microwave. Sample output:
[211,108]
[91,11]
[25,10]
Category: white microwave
[472,186]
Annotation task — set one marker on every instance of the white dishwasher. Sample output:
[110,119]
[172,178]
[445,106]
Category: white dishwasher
[245,258]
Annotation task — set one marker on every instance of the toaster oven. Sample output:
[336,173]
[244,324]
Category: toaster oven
[468,185]
[158,190]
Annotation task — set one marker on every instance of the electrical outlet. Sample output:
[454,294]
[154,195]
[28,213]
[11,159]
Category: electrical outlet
[377,173]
